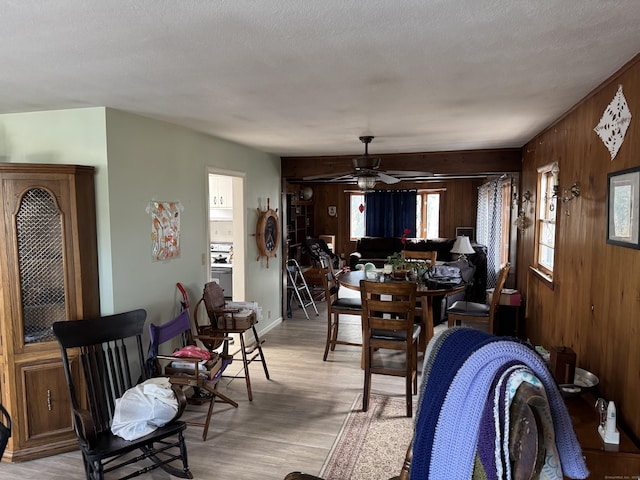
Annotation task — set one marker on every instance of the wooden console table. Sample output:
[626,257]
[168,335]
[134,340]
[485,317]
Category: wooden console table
[604,461]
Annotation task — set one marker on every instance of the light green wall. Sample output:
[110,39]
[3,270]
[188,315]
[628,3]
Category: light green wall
[139,160]
[76,137]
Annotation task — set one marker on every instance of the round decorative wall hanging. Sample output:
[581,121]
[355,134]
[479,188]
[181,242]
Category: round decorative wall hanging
[267,233]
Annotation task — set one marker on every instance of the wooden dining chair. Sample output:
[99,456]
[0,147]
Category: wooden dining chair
[479,313]
[426,256]
[388,319]
[429,257]
[335,307]
[107,353]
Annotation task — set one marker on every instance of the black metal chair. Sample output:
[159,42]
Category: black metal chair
[109,352]
[5,429]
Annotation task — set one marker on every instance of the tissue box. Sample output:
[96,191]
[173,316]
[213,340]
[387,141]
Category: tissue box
[509,297]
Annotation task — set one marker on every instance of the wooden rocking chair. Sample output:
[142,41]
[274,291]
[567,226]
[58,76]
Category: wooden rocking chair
[109,352]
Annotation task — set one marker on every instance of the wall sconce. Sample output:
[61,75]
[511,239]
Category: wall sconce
[567,194]
[526,197]
[522,222]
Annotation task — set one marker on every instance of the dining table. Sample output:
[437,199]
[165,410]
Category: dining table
[426,294]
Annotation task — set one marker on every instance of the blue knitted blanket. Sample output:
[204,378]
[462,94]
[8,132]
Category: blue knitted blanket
[457,379]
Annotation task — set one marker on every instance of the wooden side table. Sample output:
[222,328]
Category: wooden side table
[512,299]
[604,461]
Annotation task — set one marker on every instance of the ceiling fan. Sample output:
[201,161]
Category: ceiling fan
[366,173]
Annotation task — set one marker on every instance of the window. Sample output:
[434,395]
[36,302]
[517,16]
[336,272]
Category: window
[427,215]
[506,222]
[546,227]
[357,217]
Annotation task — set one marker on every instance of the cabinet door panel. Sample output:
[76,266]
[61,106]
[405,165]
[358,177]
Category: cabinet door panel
[45,395]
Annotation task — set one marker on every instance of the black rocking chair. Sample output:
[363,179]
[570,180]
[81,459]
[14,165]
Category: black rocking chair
[109,353]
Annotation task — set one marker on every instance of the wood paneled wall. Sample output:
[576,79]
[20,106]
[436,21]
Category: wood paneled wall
[459,201]
[594,303]
[458,208]
[463,162]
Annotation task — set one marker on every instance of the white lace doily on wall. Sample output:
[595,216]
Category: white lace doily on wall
[614,123]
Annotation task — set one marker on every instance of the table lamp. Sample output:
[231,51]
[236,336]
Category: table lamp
[462,247]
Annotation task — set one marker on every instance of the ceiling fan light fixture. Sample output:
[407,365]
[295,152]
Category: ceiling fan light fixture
[366,182]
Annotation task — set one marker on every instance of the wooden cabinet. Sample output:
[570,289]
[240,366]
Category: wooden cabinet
[603,461]
[220,191]
[48,273]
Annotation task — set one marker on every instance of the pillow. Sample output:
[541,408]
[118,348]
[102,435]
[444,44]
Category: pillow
[192,351]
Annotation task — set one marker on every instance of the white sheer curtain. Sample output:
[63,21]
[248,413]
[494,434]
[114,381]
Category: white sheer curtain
[489,226]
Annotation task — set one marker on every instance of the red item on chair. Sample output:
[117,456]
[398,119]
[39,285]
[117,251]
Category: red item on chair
[192,351]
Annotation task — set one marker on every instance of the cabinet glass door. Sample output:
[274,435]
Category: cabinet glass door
[41,264]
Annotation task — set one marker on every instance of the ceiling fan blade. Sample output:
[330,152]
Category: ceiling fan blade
[347,176]
[326,176]
[409,173]
[388,179]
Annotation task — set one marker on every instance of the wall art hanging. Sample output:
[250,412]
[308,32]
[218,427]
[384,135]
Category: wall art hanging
[165,229]
[614,123]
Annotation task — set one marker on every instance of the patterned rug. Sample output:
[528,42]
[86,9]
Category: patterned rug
[371,445]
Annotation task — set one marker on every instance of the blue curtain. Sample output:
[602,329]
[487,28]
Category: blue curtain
[389,212]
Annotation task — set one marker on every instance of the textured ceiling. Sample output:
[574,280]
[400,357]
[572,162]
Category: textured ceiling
[299,77]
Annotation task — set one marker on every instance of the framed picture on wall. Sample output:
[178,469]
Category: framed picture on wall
[466,231]
[623,208]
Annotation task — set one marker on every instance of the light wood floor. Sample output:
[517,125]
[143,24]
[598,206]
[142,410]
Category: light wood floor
[291,424]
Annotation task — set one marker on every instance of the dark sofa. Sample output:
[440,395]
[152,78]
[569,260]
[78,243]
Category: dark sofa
[377,249]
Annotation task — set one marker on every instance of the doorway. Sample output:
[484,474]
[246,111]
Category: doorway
[225,195]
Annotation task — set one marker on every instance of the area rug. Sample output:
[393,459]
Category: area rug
[371,445]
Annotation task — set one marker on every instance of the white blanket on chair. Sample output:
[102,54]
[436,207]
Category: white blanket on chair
[144,408]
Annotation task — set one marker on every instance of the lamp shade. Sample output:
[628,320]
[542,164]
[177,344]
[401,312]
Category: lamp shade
[462,246]
[366,182]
